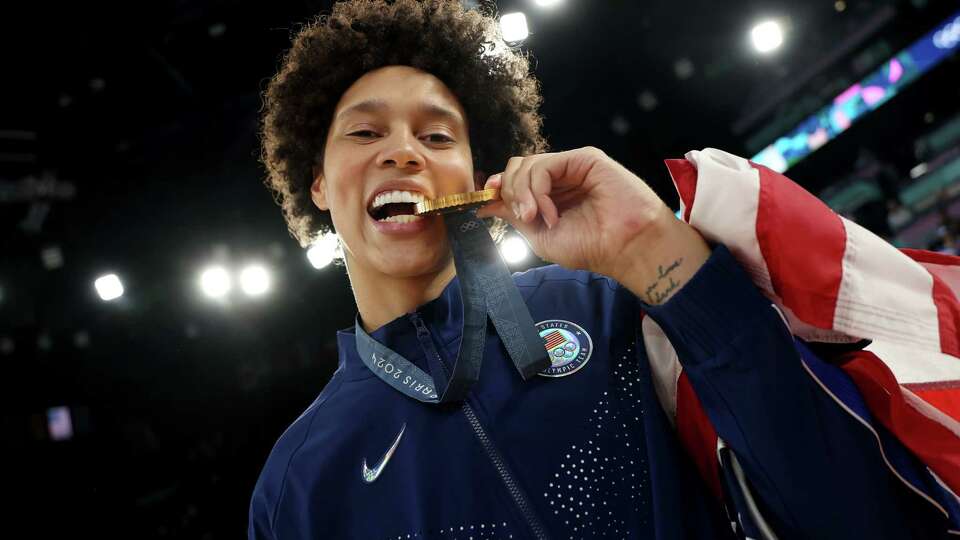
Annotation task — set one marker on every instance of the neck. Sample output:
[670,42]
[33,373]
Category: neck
[382,298]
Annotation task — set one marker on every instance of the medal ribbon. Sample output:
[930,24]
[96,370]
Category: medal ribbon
[486,288]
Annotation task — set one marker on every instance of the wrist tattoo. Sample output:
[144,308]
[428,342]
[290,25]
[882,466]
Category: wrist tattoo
[664,284]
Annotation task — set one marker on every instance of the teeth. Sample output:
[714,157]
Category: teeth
[402,218]
[396,197]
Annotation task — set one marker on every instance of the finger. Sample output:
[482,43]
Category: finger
[541,184]
[493,182]
[507,187]
[570,168]
[498,209]
[526,202]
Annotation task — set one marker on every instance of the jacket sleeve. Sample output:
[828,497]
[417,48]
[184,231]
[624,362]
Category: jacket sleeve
[259,522]
[813,469]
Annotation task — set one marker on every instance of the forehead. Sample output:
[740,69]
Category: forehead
[399,89]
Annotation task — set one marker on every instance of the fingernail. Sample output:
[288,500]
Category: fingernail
[523,209]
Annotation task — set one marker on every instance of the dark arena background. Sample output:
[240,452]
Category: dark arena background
[159,328]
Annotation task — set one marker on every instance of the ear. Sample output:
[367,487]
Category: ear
[318,190]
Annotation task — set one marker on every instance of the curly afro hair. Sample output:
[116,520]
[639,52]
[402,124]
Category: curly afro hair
[462,48]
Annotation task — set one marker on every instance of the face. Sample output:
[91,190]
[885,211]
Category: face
[396,129]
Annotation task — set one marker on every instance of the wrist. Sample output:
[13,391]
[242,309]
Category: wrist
[656,263]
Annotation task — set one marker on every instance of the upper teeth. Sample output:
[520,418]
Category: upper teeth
[396,197]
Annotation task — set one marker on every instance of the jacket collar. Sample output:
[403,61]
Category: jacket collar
[443,317]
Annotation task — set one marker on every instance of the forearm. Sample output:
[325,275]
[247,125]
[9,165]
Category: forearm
[815,469]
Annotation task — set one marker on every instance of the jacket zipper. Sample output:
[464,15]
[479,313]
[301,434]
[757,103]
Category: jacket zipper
[519,497]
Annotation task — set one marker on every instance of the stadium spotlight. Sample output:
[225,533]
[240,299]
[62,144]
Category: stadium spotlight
[919,170]
[254,280]
[324,250]
[767,36]
[215,282]
[513,26]
[514,249]
[108,287]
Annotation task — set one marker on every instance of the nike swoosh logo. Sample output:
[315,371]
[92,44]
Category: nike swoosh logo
[369,475]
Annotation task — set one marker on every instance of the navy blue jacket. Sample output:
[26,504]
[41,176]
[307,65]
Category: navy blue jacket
[590,454]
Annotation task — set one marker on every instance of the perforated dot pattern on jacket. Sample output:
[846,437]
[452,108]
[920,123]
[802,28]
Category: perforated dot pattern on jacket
[600,488]
[465,531]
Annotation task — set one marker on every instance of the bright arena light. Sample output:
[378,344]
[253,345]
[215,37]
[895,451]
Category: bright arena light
[514,27]
[766,36]
[108,287]
[514,249]
[547,3]
[215,282]
[254,280]
[324,250]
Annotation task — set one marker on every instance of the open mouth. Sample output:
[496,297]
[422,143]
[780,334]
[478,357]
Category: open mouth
[395,206]
[395,212]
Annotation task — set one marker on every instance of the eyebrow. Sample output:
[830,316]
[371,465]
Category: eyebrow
[374,105]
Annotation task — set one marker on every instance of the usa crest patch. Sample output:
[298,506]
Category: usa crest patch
[568,345]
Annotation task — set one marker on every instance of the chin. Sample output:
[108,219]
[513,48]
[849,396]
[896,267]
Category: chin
[412,262]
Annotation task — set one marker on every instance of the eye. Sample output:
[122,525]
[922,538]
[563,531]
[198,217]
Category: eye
[442,138]
[362,133]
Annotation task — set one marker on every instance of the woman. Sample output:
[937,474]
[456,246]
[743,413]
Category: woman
[381,105]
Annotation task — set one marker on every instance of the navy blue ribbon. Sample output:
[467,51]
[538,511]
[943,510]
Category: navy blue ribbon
[486,288]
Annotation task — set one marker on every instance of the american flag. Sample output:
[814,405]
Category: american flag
[833,281]
[554,339]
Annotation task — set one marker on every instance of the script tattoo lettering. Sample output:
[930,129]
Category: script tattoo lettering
[661,288]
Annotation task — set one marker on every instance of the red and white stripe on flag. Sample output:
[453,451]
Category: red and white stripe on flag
[553,340]
[835,282]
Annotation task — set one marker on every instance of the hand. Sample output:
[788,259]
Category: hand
[579,209]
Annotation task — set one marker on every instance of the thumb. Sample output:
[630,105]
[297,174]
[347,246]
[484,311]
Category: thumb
[496,209]
[501,210]
[494,181]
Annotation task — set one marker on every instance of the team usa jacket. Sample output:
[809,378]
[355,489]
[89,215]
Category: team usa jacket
[590,449]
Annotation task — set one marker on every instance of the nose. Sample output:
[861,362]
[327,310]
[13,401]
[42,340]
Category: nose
[401,151]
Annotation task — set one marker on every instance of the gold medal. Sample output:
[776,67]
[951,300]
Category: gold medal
[456,202]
